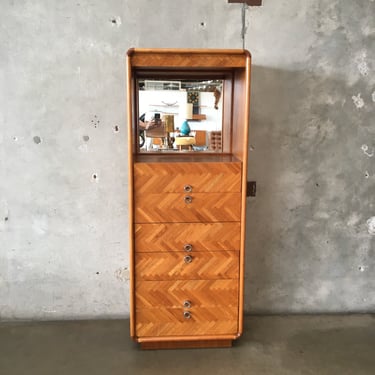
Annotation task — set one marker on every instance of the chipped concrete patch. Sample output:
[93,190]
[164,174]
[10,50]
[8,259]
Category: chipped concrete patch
[358,101]
[40,224]
[122,274]
[362,64]
[353,220]
[371,225]
[365,150]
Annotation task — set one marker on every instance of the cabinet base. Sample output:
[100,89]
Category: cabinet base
[186,344]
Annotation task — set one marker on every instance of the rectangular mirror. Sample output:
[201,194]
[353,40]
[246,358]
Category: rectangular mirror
[180,114]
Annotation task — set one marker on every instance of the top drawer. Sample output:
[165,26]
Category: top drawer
[186,177]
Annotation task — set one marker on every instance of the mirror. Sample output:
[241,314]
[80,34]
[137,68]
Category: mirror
[180,115]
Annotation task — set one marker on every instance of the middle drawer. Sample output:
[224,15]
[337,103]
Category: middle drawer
[179,265]
[179,207]
[185,294]
[187,237]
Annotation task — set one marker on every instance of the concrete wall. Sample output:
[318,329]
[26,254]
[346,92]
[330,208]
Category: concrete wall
[63,175]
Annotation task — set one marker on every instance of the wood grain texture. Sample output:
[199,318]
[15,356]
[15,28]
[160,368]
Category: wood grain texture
[172,266]
[173,294]
[177,58]
[172,177]
[201,236]
[205,207]
[219,320]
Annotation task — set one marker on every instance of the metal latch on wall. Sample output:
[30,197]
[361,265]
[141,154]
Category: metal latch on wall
[251,188]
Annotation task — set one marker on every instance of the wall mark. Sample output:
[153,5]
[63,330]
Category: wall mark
[116,129]
[358,101]
[95,177]
[116,21]
[37,140]
[95,121]
[86,138]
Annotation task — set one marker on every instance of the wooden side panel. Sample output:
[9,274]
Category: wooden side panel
[241,114]
[175,266]
[213,207]
[173,177]
[130,131]
[218,320]
[174,236]
[200,293]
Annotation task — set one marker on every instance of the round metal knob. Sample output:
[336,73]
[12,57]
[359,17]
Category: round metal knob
[187,304]
[188,199]
[188,259]
[187,314]
[188,188]
[188,247]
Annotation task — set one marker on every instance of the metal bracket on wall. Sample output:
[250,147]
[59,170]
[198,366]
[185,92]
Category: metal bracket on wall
[248,2]
[251,188]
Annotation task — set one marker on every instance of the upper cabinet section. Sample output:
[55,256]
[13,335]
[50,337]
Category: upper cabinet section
[188,101]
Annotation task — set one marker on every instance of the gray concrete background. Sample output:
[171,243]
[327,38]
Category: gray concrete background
[63,175]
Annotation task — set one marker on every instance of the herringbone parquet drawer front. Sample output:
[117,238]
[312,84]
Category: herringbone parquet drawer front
[196,207]
[176,236]
[219,320]
[174,177]
[179,265]
[194,293]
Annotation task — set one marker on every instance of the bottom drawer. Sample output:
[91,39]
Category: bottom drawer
[219,320]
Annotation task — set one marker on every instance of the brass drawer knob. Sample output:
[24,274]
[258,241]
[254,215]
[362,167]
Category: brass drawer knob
[188,199]
[188,188]
[188,247]
[187,304]
[188,259]
[187,314]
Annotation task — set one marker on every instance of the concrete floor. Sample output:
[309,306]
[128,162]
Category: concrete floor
[271,345]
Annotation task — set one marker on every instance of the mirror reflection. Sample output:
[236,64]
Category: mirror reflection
[180,115]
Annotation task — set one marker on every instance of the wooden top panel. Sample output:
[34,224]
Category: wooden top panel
[188,58]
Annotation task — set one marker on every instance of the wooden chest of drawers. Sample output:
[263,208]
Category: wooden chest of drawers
[187,250]
[188,209]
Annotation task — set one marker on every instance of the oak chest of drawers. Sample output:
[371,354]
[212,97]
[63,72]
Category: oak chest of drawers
[187,211]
